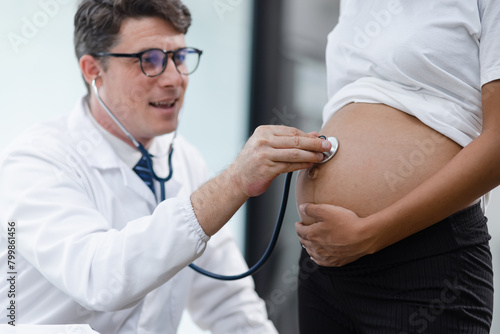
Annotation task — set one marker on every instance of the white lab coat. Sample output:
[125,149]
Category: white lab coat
[93,247]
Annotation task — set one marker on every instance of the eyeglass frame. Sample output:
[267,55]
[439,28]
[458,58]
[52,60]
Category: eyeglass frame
[140,54]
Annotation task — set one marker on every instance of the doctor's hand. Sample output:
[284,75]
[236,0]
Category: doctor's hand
[270,151]
[334,236]
[273,150]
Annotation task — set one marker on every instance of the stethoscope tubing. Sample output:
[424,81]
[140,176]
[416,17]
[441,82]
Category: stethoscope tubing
[270,247]
[162,181]
[140,147]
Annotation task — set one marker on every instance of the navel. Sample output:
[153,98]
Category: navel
[312,172]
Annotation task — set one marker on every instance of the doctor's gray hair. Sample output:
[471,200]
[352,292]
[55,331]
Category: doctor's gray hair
[98,22]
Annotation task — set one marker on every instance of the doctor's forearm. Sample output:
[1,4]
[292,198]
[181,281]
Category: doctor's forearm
[217,201]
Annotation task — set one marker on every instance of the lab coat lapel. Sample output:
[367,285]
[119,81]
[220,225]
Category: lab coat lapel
[89,141]
[99,154]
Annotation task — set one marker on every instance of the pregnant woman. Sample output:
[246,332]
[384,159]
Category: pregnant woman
[393,228]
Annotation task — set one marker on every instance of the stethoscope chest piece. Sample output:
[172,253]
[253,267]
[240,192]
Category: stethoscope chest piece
[335,146]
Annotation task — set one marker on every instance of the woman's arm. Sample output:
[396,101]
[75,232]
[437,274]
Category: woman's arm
[337,236]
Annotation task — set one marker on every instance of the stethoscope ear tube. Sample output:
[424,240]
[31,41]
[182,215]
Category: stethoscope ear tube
[139,146]
[96,91]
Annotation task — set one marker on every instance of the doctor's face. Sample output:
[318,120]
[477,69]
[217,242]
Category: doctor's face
[146,106]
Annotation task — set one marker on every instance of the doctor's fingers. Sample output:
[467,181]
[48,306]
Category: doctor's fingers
[280,130]
[264,160]
[282,137]
[314,144]
[293,156]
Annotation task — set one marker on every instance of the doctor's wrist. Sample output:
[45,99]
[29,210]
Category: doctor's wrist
[215,202]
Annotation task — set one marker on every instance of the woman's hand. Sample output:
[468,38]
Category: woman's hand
[334,236]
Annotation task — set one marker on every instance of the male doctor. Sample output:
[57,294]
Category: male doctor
[93,241]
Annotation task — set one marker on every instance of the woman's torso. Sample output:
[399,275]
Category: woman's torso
[383,154]
[397,53]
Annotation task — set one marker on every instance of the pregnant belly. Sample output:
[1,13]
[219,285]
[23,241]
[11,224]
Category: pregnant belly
[383,154]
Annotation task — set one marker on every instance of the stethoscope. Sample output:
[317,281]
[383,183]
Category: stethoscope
[140,147]
[279,221]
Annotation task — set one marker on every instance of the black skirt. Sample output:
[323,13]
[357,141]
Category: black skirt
[439,280]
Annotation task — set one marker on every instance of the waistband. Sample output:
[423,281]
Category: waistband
[462,229]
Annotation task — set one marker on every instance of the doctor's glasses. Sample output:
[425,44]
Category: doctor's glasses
[154,61]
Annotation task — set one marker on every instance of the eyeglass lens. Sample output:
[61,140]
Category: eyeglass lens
[154,61]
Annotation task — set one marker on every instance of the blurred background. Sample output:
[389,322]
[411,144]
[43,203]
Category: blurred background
[263,63]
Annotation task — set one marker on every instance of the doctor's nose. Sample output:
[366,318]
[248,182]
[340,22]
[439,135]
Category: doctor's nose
[171,76]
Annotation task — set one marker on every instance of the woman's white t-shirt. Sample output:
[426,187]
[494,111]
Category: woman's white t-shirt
[428,58]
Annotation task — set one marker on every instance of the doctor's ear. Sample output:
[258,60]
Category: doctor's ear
[91,68]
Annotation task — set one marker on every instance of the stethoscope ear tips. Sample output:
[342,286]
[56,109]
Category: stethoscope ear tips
[335,146]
